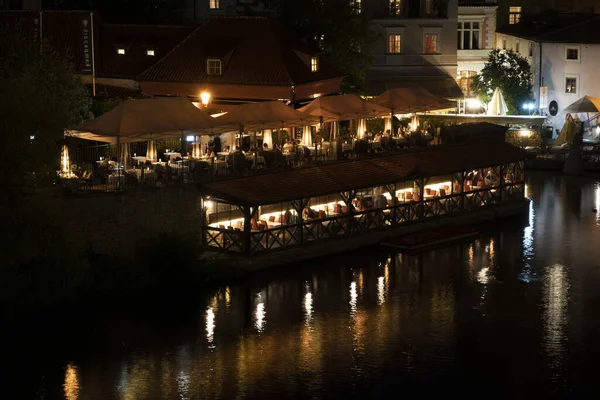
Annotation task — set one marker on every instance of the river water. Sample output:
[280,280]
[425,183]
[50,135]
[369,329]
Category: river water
[513,313]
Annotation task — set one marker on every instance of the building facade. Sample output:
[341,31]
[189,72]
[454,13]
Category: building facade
[510,12]
[564,51]
[475,39]
[417,41]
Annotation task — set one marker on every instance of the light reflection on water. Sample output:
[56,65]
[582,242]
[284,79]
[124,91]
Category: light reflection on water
[556,318]
[379,321]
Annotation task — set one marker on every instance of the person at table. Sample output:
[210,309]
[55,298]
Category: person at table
[265,147]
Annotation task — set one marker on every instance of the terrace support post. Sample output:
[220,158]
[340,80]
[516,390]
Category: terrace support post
[421,204]
[392,190]
[299,206]
[246,239]
[462,191]
[203,221]
[522,166]
[502,184]
[348,201]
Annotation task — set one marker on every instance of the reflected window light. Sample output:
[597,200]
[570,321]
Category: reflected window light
[483,276]
[260,317]
[380,290]
[353,298]
[183,384]
[597,205]
[121,51]
[227,297]
[308,308]
[71,385]
[210,325]
[555,317]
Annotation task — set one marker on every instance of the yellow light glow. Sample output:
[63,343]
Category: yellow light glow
[65,164]
[308,308]
[210,324]
[526,132]
[474,103]
[260,317]
[71,385]
[205,98]
[353,298]
[380,290]
[208,204]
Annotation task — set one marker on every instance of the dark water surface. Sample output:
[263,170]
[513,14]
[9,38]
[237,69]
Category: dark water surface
[515,313]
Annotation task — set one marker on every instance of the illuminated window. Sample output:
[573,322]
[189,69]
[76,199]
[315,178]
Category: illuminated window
[149,52]
[429,9]
[571,85]
[121,51]
[213,67]
[514,15]
[358,5]
[215,4]
[572,54]
[431,41]
[469,35]
[394,45]
[314,64]
[396,7]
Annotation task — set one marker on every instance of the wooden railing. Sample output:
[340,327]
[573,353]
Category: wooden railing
[343,225]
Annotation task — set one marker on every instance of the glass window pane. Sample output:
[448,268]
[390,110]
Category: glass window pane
[459,40]
[467,25]
[475,25]
[475,45]
[466,44]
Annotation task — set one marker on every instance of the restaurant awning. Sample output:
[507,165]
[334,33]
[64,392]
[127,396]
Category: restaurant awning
[586,104]
[444,87]
[265,115]
[147,119]
[343,107]
[301,183]
[494,119]
[411,100]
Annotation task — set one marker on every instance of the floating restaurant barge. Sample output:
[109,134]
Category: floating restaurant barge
[357,203]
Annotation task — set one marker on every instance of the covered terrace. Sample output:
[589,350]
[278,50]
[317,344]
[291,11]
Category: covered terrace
[259,214]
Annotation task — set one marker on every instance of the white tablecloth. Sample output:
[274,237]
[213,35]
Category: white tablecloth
[139,159]
[173,155]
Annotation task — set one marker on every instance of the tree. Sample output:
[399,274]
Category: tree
[40,97]
[508,71]
[337,28]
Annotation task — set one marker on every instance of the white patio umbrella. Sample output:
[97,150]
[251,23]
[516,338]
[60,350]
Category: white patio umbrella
[388,124]
[151,151]
[124,156]
[268,138]
[307,136]
[497,105]
[362,128]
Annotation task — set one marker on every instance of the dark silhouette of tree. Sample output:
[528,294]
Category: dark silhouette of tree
[336,27]
[40,97]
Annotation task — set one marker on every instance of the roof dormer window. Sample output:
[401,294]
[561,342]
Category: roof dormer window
[149,52]
[121,51]
[314,64]
[214,67]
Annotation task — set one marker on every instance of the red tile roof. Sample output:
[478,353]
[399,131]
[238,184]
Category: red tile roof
[135,40]
[326,179]
[253,50]
[108,91]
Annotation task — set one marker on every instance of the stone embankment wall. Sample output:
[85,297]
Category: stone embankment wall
[117,223]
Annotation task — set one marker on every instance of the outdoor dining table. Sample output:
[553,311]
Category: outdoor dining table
[173,155]
[139,159]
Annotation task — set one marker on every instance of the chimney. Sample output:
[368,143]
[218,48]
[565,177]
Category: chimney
[31,5]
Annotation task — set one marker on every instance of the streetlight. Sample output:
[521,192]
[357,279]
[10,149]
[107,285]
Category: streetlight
[205,98]
[529,106]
